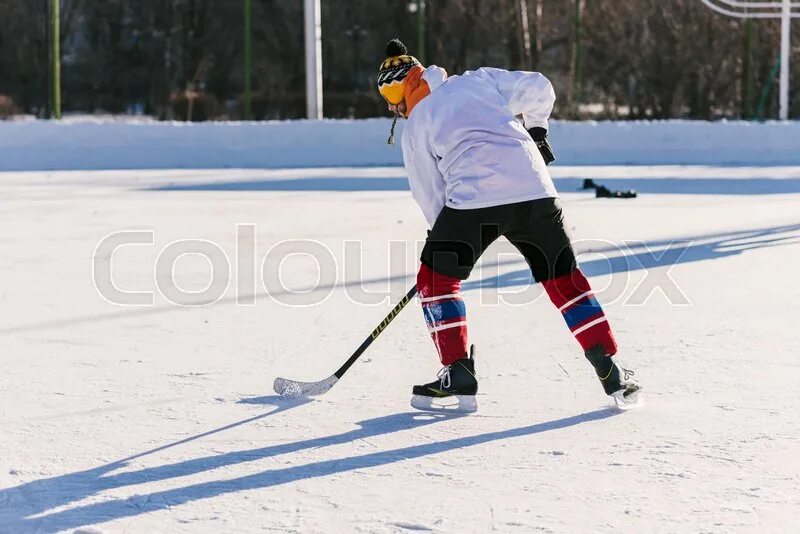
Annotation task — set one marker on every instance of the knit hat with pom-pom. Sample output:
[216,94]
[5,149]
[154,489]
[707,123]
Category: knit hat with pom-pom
[393,71]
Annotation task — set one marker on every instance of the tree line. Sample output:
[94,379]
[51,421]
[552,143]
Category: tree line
[184,59]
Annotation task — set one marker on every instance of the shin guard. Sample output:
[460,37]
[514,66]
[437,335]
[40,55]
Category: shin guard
[572,295]
[444,313]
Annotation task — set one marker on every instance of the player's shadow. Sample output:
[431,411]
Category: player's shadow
[638,256]
[645,255]
[28,502]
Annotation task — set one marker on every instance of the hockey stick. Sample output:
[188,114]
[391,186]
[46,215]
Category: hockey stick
[293,388]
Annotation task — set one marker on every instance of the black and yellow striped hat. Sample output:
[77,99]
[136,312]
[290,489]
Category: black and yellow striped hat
[393,71]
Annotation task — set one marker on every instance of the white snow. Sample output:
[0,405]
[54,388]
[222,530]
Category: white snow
[138,143]
[161,418]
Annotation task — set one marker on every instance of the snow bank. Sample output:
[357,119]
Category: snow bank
[107,144]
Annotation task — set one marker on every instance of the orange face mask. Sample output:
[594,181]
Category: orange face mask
[415,89]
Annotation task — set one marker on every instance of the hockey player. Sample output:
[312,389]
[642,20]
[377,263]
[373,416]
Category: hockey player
[478,173]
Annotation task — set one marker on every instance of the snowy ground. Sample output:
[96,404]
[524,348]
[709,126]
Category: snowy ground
[161,418]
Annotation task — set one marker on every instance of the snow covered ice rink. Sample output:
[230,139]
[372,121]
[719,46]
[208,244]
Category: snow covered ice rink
[161,417]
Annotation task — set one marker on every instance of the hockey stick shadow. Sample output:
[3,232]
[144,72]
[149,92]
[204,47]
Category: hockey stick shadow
[281,404]
[109,510]
[36,497]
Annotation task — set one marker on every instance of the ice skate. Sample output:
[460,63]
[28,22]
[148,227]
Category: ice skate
[617,381]
[454,389]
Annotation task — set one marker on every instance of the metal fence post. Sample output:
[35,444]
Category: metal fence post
[313,38]
[785,10]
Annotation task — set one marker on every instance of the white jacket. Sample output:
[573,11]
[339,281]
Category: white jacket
[463,146]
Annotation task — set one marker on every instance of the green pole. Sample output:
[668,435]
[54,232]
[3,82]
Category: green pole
[55,53]
[747,86]
[420,52]
[762,103]
[576,58]
[248,56]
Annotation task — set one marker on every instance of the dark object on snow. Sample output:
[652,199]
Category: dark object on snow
[604,192]
[601,191]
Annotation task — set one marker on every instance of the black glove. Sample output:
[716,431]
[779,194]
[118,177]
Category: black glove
[539,136]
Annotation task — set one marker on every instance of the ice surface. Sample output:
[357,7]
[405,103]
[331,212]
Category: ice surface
[160,418]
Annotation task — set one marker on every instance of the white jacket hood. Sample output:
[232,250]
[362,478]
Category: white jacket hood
[434,76]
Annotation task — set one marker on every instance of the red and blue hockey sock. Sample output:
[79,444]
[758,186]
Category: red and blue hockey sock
[444,313]
[572,295]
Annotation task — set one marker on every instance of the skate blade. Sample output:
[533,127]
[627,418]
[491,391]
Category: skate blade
[452,404]
[633,400]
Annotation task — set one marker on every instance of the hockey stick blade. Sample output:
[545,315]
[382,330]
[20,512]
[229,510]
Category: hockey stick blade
[293,388]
